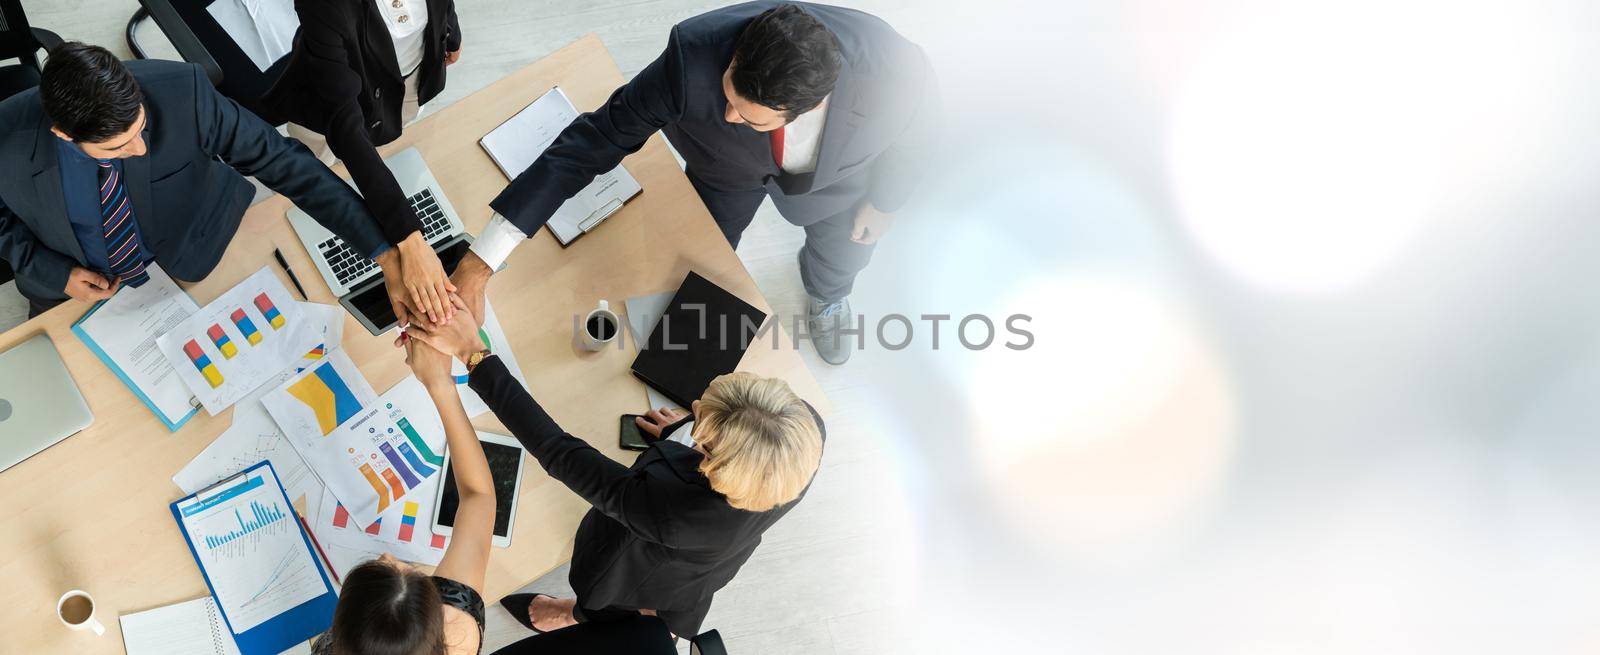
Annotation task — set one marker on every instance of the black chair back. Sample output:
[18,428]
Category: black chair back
[17,40]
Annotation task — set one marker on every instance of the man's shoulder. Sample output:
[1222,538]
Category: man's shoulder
[161,74]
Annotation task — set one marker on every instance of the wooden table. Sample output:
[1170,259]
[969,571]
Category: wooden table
[91,512]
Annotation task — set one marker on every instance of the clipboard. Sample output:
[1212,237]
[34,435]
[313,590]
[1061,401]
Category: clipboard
[77,329]
[288,628]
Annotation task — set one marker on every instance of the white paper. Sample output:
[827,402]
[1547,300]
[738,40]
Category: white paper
[263,29]
[411,542]
[193,627]
[278,341]
[254,436]
[381,455]
[643,314]
[519,141]
[125,328]
[311,404]
[496,343]
[248,542]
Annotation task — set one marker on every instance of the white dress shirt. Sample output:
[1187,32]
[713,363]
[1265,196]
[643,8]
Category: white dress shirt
[802,144]
[802,140]
[405,20]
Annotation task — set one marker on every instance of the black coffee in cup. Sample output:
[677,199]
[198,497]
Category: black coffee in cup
[601,327]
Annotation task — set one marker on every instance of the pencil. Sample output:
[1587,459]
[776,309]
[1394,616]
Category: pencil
[324,555]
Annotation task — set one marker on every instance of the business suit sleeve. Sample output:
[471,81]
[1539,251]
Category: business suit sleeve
[597,141]
[336,88]
[898,171]
[452,40]
[606,484]
[252,147]
[29,259]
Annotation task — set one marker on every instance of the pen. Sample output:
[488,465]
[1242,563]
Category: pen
[285,264]
[314,542]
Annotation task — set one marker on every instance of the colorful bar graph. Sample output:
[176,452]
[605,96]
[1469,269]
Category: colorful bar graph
[408,520]
[260,516]
[377,485]
[317,353]
[341,517]
[376,527]
[269,311]
[220,338]
[399,466]
[203,364]
[394,483]
[246,326]
[438,541]
[418,443]
[416,463]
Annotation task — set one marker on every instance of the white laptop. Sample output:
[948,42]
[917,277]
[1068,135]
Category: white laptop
[341,266]
[39,404]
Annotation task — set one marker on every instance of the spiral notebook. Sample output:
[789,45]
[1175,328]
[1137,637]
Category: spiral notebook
[191,627]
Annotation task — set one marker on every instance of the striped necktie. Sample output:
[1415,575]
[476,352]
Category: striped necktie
[124,253]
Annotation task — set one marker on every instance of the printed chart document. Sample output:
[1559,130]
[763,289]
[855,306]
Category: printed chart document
[254,436]
[257,561]
[493,338]
[518,141]
[122,332]
[378,457]
[239,341]
[405,530]
[195,627]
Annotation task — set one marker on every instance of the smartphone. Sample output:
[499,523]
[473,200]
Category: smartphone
[632,438]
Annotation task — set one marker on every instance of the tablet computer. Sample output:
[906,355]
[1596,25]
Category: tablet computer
[505,464]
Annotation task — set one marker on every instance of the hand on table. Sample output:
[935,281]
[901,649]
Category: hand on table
[427,289]
[89,286]
[458,337]
[656,420]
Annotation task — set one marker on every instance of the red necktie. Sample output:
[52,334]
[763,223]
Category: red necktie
[777,147]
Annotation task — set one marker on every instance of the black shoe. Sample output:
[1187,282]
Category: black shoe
[518,604]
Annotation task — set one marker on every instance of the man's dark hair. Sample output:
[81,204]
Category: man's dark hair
[88,93]
[786,60]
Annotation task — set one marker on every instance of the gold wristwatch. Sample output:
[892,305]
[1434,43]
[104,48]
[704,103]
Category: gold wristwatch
[477,358]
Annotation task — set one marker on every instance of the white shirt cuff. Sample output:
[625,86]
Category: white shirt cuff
[497,240]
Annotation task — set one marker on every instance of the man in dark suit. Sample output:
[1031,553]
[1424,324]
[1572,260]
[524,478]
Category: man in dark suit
[828,111]
[114,166]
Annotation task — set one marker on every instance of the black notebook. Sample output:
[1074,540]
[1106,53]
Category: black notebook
[703,333]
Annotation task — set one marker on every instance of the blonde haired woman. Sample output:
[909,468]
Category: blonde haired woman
[666,533]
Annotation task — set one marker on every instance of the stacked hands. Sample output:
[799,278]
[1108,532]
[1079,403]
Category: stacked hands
[420,291]
[429,347]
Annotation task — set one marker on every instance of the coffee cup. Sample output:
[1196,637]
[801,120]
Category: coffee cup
[599,327]
[75,609]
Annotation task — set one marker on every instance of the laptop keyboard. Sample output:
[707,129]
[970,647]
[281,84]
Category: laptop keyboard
[349,266]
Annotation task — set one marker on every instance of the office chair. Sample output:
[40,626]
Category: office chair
[200,40]
[642,635]
[21,42]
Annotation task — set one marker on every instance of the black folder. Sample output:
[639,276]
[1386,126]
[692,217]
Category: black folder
[702,333]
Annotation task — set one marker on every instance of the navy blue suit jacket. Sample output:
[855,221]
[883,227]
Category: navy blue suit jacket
[878,137]
[188,192]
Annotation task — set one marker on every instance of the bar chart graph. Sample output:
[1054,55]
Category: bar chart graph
[261,516]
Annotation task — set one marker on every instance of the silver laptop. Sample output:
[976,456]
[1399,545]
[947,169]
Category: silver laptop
[39,404]
[341,266]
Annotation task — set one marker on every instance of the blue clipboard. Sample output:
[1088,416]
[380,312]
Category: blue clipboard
[292,627]
[111,364]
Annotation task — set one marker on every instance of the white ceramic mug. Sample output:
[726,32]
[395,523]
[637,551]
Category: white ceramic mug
[596,319]
[85,618]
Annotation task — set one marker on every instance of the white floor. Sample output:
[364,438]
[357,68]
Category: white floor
[816,584]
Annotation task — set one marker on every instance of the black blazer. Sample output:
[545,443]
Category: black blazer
[658,536]
[188,192]
[880,131]
[344,82]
